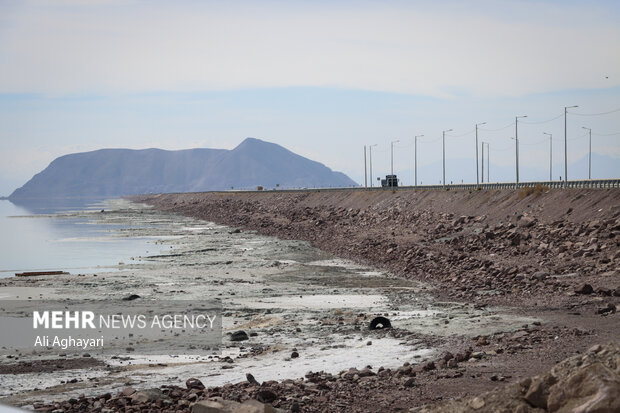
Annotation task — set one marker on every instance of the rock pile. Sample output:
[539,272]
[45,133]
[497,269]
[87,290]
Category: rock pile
[469,257]
[584,383]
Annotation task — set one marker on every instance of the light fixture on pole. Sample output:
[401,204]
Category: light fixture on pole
[550,155]
[444,155]
[482,162]
[415,159]
[517,145]
[365,169]
[589,153]
[392,157]
[370,150]
[488,162]
[566,144]
[477,166]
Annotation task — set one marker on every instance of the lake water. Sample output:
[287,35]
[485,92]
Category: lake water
[66,236]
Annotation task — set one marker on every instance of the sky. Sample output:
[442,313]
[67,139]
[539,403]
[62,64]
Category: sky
[321,78]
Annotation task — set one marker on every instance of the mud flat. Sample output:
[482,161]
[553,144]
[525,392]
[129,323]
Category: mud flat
[288,296]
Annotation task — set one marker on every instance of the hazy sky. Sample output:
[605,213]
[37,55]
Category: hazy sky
[322,78]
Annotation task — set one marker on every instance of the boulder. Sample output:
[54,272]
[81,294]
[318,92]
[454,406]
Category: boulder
[128,391]
[526,222]
[147,396]
[540,275]
[251,379]
[594,388]
[229,406]
[239,336]
[588,382]
[266,396]
[585,289]
[538,393]
[131,297]
[194,384]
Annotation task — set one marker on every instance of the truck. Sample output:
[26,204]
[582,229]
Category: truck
[390,181]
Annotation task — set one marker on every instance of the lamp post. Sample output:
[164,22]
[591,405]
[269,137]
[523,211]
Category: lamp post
[482,162]
[517,146]
[365,169]
[589,153]
[415,159]
[488,162]
[444,155]
[566,145]
[477,167]
[550,155]
[392,157]
[370,150]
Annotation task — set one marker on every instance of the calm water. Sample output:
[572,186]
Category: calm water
[50,237]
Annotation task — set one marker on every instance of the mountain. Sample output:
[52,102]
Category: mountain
[117,172]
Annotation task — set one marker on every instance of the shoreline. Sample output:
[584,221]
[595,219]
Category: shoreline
[551,254]
[555,324]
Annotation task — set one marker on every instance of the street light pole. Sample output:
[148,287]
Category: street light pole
[589,153]
[415,159]
[488,162]
[370,149]
[477,166]
[550,155]
[517,145]
[365,169]
[444,155]
[566,145]
[482,162]
[392,157]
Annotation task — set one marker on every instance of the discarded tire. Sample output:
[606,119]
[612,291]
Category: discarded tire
[379,323]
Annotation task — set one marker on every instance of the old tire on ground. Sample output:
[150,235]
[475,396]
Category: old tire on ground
[379,323]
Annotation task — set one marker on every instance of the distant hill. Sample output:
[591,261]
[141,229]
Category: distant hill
[117,172]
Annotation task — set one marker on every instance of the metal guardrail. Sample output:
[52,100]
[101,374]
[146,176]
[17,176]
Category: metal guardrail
[585,184]
[581,184]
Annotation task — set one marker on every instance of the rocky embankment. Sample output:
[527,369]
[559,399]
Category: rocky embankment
[549,254]
[523,247]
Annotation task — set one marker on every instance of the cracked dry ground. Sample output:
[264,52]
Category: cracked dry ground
[550,254]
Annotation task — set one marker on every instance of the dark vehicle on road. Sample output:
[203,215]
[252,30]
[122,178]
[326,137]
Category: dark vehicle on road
[390,181]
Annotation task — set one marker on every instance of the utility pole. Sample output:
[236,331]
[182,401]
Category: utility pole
[477,166]
[566,145]
[517,145]
[365,170]
[589,153]
[370,149]
[482,162]
[488,162]
[444,155]
[392,157]
[550,155]
[415,159]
